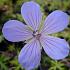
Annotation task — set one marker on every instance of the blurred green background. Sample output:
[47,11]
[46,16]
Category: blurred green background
[10,9]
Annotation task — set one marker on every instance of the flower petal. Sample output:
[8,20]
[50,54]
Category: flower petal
[55,22]
[56,48]
[30,55]
[31,14]
[15,31]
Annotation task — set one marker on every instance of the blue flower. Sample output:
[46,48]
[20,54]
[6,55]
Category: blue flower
[37,36]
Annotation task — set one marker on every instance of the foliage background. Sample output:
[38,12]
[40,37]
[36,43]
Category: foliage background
[10,9]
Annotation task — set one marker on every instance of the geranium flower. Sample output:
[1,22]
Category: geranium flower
[37,37]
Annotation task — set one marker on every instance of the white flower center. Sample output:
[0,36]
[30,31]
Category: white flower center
[36,34]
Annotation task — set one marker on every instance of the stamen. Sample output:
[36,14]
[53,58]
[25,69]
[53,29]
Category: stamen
[36,35]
